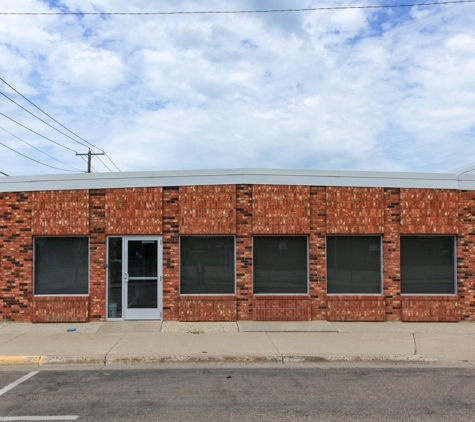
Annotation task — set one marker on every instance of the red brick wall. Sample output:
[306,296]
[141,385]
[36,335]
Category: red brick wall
[244,251]
[317,257]
[434,211]
[280,209]
[97,255]
[466,254]
[207,308]
[431,308]
[282,308]
[60,212]
[355,210]
[80,212]
[16,256]
[60,309]
[133,211]
[208,209]
[391,255]
[66,213]
[429,211]
[171,215]
[243,210]
[356,308]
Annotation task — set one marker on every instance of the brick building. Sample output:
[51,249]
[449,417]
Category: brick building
[226,245]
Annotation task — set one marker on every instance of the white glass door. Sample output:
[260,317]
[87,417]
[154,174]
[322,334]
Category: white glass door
[142,277]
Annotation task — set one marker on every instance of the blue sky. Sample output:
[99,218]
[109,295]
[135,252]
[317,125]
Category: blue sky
[359,89]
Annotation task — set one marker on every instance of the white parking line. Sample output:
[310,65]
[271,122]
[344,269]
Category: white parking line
[31,418]
[39,418]
[17,382]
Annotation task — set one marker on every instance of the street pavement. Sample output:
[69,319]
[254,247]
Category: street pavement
[108,343]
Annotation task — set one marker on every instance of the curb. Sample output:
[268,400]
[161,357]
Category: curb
[21,360]
[282,359]
[278,359]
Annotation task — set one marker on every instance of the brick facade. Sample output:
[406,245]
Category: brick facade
[60,212]
[207,209]
[16,256]
[242,210]
[282,308]
[133,211]
[60,309]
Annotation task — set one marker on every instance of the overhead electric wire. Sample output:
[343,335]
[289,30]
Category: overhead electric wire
[39,162]
[99,158]
[46,123]
[309,9]
[39,134]
[113,162]
[52,118]
[32,146]
[5,174]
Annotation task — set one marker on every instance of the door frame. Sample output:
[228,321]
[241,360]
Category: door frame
[137,314]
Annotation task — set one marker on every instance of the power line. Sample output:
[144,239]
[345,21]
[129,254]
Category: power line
[113,163]
[52,118]
[39,162]
[5,174]
[99,158]
[46,123]
[70,131]
[311,9]
[39,134]
[32,146]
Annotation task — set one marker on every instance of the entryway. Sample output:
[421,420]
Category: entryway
[134,277]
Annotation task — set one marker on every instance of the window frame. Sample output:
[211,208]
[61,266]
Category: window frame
[381,267]
[454,257]
[88,267]
[115,236]
[179,265]
[307,266]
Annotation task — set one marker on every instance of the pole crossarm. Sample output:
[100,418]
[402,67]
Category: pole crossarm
[90,154]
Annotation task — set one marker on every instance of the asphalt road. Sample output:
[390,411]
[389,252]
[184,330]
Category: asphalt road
[254,393]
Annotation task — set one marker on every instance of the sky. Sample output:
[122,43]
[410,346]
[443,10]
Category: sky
[380,89]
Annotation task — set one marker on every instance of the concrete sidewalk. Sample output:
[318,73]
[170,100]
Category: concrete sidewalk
[106,343]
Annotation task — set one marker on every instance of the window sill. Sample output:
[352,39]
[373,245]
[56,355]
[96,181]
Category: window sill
[40,298]
[355,297]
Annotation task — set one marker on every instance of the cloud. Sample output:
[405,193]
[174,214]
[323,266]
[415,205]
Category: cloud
[363,89]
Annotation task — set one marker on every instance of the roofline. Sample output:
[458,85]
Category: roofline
[237,176]
[464,169]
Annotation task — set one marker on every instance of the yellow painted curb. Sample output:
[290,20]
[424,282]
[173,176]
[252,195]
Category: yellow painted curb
[20,360]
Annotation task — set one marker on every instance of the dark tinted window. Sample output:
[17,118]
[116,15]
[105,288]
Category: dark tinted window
[353,264]
[280,264]
[207,264]
[61,265]
[114,271]
[427,265]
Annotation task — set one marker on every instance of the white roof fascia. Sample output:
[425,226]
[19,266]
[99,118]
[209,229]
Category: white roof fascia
[466,181]
[237,176]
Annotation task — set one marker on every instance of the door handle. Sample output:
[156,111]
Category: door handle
[126,277]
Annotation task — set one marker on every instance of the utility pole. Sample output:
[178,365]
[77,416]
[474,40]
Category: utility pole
[89,158]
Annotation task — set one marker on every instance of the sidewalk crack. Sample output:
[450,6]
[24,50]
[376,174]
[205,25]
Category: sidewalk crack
[415,343]
[112,348]
[14,338]
[277,350]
